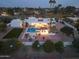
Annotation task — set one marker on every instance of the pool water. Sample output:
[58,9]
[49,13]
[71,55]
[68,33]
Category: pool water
[31,30]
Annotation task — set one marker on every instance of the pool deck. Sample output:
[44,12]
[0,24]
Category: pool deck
[42,38]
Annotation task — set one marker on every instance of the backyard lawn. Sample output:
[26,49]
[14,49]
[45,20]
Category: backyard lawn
[14,33]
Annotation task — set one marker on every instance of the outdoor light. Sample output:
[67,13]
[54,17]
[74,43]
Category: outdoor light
[44,32]
[38,45]
[11,46]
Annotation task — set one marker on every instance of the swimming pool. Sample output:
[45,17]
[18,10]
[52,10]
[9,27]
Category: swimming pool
[31,30]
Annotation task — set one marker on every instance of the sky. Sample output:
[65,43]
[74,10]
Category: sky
[36,3]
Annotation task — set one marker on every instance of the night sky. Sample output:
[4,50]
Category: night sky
[36,3]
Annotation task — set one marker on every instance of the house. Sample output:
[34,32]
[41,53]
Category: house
[41,24]
[73,18]
[16,23]
[37,22]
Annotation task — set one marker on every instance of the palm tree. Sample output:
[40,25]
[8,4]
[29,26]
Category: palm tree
[77,25]
[22,19]
[9,11]
[58,10]
[52,2]
[24,24]
[59,7]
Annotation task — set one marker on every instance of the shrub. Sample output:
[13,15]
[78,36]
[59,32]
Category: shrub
[59,46]
[9,46]
[36,45]
[76,44]
[48,46]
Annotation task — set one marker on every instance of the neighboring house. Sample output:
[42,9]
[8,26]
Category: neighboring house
[4,14]
[73,18]
[16,13]
[16,23]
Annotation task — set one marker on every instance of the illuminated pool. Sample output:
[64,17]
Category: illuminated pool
[31,30]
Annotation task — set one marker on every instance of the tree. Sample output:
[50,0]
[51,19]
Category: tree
[9,11]
[77,24]
[68,31]
[62,10]
[59,5]
[26,24]
[70,9]
[36,45]
[1,46]
[13,43]
[75,44]
[2,26]
[9,46]
[48,46]
[17,9]
[57,8]
[6,19]
[52,1]
[22,19]
[59,46]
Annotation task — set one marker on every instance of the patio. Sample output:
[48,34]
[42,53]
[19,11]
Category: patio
[42,38]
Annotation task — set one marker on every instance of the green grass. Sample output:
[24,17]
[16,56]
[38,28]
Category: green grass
[14,33]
